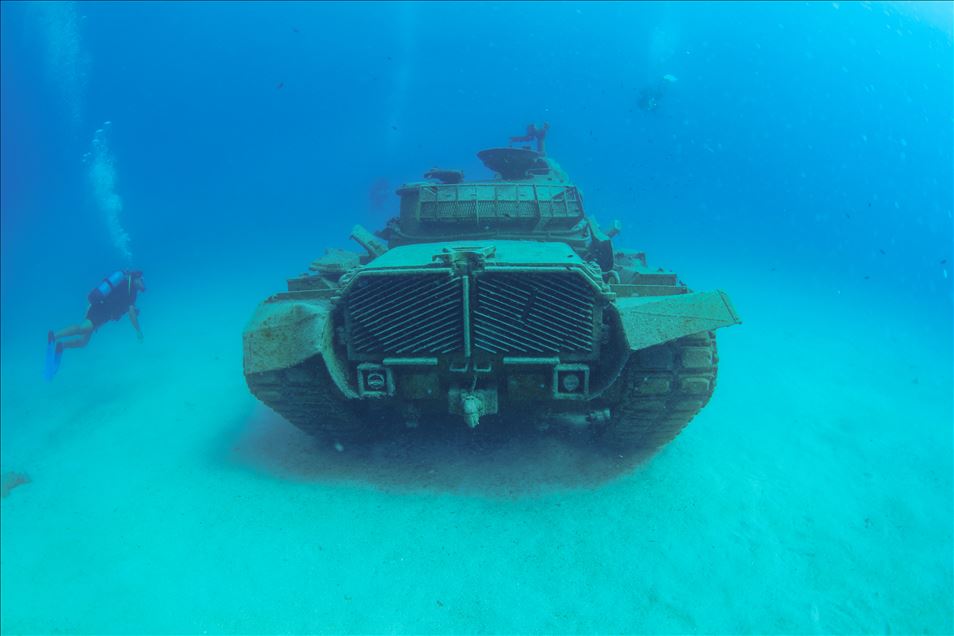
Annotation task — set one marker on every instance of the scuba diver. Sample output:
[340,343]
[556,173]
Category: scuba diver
[110,300]
[650,97]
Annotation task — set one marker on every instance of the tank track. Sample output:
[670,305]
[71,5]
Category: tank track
[306,396]
[661,390]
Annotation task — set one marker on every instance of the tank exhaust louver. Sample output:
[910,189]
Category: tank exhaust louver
[406,315]
[533,314]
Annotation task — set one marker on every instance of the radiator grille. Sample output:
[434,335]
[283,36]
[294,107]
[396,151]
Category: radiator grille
[524,313]
[533,313]
[407,314]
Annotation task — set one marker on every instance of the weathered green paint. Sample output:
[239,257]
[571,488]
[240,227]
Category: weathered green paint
[282,334]
[502,253]
[655,320]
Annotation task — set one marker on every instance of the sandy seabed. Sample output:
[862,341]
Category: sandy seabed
[812,495]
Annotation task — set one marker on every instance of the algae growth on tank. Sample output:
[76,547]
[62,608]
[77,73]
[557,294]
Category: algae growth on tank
[476,318]
[491,298]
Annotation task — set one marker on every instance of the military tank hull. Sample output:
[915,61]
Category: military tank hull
[529,318]
[505,329]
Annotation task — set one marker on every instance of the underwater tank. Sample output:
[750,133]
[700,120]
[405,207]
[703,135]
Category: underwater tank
[497,299]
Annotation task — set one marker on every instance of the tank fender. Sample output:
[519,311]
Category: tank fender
[284,333]
[652,320]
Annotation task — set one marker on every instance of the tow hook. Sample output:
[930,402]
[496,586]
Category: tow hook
[473,404]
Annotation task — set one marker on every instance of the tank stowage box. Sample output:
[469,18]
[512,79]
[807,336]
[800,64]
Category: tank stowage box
[488,299]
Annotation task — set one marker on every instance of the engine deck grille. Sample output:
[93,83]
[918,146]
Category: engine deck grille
[533,313]
[530,313]
[406,314]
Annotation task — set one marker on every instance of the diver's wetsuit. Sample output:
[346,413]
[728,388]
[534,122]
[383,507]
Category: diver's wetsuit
[114,306]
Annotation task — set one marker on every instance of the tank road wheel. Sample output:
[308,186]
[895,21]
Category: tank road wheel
[306,396]
[663,387]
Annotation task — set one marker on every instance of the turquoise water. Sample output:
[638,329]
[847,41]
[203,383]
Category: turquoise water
[799,157]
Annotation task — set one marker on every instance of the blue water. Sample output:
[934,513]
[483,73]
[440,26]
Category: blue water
[799,157]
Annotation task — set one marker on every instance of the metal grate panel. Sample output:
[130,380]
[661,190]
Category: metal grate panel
[558,205]
[407,314]
[533,313]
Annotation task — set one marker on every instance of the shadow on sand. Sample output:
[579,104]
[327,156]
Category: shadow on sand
[453,459]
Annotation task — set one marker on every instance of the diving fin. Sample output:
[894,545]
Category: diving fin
[54,352]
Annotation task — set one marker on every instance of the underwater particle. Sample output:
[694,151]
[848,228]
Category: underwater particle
[280,85]
[339,447]
[10,480]
[881,251]
[867,277]
[670,78]
[296,30]
[943,261]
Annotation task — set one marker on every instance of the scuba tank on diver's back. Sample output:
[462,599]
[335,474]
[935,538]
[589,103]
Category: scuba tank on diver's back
[106,287]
